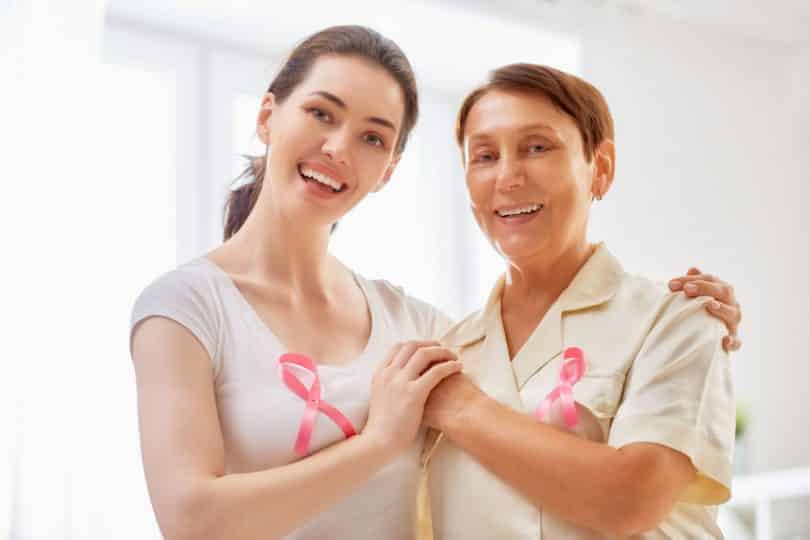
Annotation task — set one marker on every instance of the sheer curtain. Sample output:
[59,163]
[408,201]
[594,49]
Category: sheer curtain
[71,467]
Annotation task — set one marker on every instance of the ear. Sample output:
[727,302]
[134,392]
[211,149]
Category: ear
[604,168]
[388,172]
[263,120]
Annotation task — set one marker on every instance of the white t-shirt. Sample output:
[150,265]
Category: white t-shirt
[260,417]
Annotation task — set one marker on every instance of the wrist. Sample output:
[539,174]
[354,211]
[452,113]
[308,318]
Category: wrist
[375,448]
[467,416]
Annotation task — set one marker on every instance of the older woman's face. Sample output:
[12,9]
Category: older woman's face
[529,181]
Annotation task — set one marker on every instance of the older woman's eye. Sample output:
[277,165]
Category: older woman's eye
[320,114]
[374,140]
[483,156]
[538,148]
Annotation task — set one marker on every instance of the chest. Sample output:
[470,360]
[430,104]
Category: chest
[525,379]
[333,332]
[261,417]
[520,323]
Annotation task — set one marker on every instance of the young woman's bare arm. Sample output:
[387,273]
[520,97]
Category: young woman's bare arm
[183,449]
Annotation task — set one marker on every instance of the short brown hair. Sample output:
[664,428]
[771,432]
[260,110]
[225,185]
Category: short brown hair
[577,98]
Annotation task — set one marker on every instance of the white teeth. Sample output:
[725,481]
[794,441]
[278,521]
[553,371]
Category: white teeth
[322,179]
[516,211]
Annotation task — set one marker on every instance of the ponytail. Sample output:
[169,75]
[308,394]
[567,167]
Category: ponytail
[242,200]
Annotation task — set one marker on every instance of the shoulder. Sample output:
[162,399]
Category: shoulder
[654,297]
[190,284]
[667,315]
[430,322]
[187,295]
[466,331]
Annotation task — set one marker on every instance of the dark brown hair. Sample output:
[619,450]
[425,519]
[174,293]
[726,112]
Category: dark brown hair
[572,95]
[356,41]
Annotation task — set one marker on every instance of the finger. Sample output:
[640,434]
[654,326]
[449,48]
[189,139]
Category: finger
[732,343]
[699,277]
[730,315]
[408,350]
[392,354]
[719,290]
[424,358]
[677,283]
[436,374]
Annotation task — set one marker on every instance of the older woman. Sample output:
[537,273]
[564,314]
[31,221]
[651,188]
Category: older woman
[593,402]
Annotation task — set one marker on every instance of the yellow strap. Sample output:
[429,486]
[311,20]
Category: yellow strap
[424,517]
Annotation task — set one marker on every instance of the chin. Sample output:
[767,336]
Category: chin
[526,249]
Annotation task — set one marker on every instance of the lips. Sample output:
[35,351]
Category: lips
[321,178]
[518,210]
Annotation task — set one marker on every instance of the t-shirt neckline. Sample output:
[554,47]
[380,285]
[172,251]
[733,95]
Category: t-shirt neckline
[356,363]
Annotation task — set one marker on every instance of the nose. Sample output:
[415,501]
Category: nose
[511,174]
[336,146]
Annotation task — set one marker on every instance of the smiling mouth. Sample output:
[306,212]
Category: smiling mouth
[527,210]
[323,181]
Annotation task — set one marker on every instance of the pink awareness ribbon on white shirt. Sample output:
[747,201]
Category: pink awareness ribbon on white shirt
[312,396]
[571,372]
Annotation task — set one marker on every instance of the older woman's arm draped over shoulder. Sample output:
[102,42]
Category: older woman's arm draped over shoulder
[668,441]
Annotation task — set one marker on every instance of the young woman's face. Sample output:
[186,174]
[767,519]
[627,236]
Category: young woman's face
[527,175]
[333,139]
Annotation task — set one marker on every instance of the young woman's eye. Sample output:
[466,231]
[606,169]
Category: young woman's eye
[320,114]
[374,140]
[537,148]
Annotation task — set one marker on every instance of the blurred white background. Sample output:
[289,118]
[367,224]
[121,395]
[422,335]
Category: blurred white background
[122,126]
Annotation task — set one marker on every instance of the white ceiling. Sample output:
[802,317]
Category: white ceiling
[483,32]
[475,39]
[778,20]
[785,21]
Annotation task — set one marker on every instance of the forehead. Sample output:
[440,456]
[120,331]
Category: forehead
[500,113]
[366,88]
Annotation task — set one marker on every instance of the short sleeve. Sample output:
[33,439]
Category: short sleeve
[431,321]
[437,323]
[679,394]
[427,321]
[186,298]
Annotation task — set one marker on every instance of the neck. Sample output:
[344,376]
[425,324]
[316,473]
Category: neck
[541,280]
[274,249]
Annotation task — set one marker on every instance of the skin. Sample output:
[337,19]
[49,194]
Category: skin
[520,150]
[295,286]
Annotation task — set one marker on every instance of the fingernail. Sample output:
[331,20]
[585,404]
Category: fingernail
[714,304]
[675,285]
[691,288]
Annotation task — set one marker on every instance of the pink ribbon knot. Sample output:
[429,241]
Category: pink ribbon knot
[312,396]
[571,372]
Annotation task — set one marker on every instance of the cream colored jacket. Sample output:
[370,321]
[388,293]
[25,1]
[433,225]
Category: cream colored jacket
[656,372]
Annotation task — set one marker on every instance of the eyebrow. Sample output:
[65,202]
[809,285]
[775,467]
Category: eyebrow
[340,103]
[538,125]
[476,137]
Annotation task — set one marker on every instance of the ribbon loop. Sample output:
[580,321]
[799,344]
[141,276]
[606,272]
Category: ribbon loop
[312,396]
[571,372]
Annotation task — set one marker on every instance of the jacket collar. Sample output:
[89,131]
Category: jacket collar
[595,283]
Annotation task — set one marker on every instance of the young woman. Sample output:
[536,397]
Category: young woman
[629,381]
[240,439]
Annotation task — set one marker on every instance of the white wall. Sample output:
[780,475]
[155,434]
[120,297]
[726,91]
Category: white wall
[711,172]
